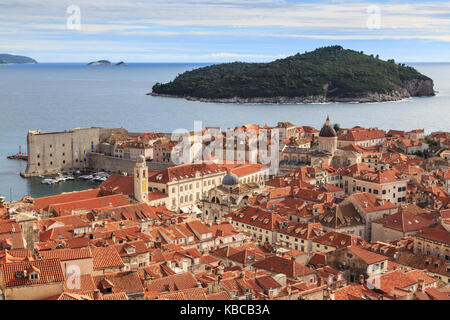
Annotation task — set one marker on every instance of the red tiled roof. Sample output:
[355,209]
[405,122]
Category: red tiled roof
[185,171]
[438,233]
[289,267]
[106,257]
[339,240]
[404,221]
[49,270]
[128,282]
[367,256]
[368,202]
[174,282]
[44,202]
[119,184]
[246,169]
[9,226]
[67,254]
[89,204]
[258,218]
[361,134]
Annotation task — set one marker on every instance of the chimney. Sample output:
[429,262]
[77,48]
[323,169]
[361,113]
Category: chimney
[421,285]
[270,294]
[289,289]
[361,279]
[97,294]
[113,237]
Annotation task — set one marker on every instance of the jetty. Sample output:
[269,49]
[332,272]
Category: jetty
[18,156]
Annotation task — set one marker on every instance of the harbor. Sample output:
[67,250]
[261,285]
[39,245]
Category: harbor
[94,177]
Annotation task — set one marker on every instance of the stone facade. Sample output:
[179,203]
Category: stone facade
[54,152]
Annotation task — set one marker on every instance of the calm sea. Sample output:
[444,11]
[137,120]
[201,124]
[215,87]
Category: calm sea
[54,97]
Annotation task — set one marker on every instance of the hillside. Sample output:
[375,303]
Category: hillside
[326,74]
[9,58]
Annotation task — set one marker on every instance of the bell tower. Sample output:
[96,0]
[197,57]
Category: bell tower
[141,180]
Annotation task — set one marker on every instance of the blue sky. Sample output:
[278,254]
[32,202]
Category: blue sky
[222,30]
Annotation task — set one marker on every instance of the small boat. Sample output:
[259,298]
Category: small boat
[86,177]
[70,178]
[97,178]
[48,181]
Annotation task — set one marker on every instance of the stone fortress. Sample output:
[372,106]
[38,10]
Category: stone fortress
[54,152]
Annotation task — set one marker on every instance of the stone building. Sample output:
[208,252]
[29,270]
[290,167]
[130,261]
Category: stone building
[187,184]
[326,152]
[54,152]
[357,262]
[31,280]
[228,197]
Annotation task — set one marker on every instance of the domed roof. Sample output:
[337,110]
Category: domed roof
[140,159]
[230,179]
[327,130]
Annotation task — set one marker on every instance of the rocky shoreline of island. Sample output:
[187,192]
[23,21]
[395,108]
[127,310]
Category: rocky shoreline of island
[412,88]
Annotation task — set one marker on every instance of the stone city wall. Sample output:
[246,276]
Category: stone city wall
[100,162]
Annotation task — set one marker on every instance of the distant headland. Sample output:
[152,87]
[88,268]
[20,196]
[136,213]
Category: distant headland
[329,74]
[14,59]
[105,63]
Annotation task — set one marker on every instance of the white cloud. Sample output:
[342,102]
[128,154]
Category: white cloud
[130,24]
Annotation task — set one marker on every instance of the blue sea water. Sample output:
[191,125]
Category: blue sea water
[54,97]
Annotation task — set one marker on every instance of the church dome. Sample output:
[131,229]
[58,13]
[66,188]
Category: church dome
[327,130]
[140,159]
[230,179]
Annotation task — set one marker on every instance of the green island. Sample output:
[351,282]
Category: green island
[323,75]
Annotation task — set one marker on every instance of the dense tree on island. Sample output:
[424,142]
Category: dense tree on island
[332,72]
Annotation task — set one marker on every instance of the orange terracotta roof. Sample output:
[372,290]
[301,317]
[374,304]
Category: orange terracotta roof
[89,204]
[367,256]
[67,254]
[44,202]
[289,267]
[106,257]
[50,271]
